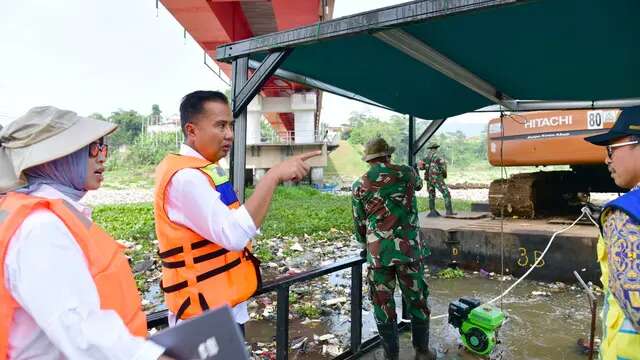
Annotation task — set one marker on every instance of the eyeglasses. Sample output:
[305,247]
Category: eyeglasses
[96,149]
[611,147]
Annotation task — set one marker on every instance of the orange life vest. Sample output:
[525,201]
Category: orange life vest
[198,274]
[105,257]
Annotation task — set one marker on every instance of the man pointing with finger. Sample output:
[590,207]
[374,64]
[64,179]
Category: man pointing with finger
[204,233]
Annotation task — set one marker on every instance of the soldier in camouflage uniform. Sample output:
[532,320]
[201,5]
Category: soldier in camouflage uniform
[435,172]
[386,216]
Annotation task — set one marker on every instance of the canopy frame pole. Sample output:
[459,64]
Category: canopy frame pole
[238,160]
[243,90]
[411,142]
[317,84]
[427,134]
[427,55]
[378,19]
[541,105]
[248,90]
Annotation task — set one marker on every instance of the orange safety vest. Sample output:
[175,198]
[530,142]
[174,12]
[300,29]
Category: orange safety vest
[198,274]
[108,266]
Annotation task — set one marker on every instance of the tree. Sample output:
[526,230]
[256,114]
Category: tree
[98,116]
[155,114]
[366,127]
[267,132]
[155,110]
[457,149]
[130,124]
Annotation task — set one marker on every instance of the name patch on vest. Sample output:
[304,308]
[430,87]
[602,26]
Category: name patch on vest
[222,183]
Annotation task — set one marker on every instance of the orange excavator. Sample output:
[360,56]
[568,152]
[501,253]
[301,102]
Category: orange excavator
[543,138]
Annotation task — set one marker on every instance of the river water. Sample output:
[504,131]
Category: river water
[537,327]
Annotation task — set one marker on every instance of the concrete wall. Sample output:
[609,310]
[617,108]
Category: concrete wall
[302,105]
[476,249]
[304,109]
[267,155]
[254,116]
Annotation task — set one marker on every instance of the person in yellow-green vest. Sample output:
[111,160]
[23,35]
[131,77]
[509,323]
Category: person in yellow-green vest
[619,243]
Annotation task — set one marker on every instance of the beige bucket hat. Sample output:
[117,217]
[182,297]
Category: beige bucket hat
[376,148]
[43,134]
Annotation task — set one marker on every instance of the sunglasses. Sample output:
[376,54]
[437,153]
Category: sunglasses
[96,149]
[611,147]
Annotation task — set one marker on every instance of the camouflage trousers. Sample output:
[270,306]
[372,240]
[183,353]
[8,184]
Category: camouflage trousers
[437,182]
[413,286]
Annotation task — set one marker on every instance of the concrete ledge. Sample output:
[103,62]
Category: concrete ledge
[476,244]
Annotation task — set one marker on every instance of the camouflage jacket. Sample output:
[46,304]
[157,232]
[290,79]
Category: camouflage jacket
[385,214]
[434,165]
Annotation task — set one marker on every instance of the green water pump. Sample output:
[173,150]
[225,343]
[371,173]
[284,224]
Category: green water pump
[478,324]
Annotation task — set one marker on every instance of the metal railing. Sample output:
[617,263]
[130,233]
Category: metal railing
[282,285]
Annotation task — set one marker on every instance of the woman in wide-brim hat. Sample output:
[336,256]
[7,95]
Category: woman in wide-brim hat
[66,288]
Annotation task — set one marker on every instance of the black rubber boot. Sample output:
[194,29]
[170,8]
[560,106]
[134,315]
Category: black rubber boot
[420,340]
[389,338]
[448,207]
[432,208]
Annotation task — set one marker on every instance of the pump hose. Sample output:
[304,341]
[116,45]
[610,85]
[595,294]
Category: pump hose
[584,211]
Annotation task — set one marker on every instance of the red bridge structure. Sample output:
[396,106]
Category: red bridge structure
[292,109]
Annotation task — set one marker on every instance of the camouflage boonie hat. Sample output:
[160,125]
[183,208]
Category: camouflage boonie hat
[376,148]
[433,145]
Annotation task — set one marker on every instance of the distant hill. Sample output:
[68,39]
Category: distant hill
[345,162]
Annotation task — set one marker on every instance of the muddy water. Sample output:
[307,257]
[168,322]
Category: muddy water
[537,327]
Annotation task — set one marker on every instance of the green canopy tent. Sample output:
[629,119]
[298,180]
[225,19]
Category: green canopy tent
[435,59]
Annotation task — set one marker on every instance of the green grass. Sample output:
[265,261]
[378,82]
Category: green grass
[295,211]
[458,205]
[345,161]
[308,310]
[450,273]
[130,222]
[138,178]
[300,210]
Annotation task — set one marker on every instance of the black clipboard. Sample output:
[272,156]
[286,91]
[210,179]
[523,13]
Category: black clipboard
[214,335]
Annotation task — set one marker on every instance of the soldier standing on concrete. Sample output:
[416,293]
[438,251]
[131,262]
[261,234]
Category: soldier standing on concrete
[385,214]
[435,172]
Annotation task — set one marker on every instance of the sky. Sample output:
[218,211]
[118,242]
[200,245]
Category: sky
[100,56]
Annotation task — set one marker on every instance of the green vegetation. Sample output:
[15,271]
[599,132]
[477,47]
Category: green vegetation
[138,178]
[345,161]
[308,310]
[144,152]
[466,156]
[365,127]
[295,211]
[459,151]
[129,222]
[263,253]
[300,210]
[450,273]
[293,298]
[132,148]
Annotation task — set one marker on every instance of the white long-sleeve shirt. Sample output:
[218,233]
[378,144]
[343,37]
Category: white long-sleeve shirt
[60,316]
[192,202]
